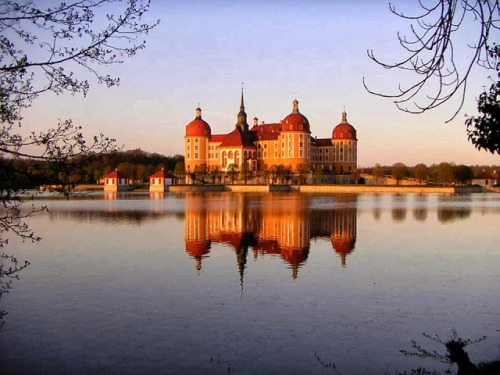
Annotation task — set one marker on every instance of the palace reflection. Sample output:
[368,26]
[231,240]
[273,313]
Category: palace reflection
[270,225]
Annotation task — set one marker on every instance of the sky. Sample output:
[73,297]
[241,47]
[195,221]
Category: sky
[202,51]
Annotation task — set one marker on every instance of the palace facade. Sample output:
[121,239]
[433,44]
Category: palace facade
[288,143]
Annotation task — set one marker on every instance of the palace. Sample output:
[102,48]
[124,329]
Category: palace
[264,146]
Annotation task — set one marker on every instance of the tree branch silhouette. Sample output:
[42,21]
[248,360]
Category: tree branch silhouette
[430,52]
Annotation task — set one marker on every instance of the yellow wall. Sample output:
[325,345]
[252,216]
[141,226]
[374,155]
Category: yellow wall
[195,151]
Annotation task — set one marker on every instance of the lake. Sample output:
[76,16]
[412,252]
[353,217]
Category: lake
[252,283]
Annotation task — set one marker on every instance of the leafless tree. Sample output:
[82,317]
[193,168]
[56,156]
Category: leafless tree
[55,49]
[431,52]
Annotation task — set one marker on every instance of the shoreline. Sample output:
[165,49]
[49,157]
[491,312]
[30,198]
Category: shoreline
[327,189]
[312,189]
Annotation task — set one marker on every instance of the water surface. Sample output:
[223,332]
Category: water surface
[252,283]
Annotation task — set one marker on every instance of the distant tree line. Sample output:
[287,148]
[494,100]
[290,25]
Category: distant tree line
[19,173]
[443,173]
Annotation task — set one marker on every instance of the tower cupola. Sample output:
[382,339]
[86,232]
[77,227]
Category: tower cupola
[198,127]
[295,121]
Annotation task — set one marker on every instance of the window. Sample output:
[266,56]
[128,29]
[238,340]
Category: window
[196,155]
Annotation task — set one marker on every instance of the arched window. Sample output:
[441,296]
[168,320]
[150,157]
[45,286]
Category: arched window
[224,159]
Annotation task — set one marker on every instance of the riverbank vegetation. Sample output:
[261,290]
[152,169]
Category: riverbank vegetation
[138,165]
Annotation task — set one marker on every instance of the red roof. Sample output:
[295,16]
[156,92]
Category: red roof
[162,174]
[237,138]
[295,121]
[344,130]
[267,132]
[115,174]
[198,128]
[217,138]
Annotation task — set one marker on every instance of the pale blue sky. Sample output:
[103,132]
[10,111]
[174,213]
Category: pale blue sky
[203,50]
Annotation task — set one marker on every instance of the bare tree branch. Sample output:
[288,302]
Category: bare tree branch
[430,52]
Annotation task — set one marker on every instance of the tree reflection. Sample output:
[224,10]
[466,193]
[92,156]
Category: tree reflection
[420,212]
[448,215]
[399,207]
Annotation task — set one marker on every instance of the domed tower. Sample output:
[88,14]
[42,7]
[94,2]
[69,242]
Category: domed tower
[294,139]
[198,134]
[345,144]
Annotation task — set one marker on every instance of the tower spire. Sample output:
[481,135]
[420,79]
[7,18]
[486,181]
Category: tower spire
[242,105]
[242,116]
